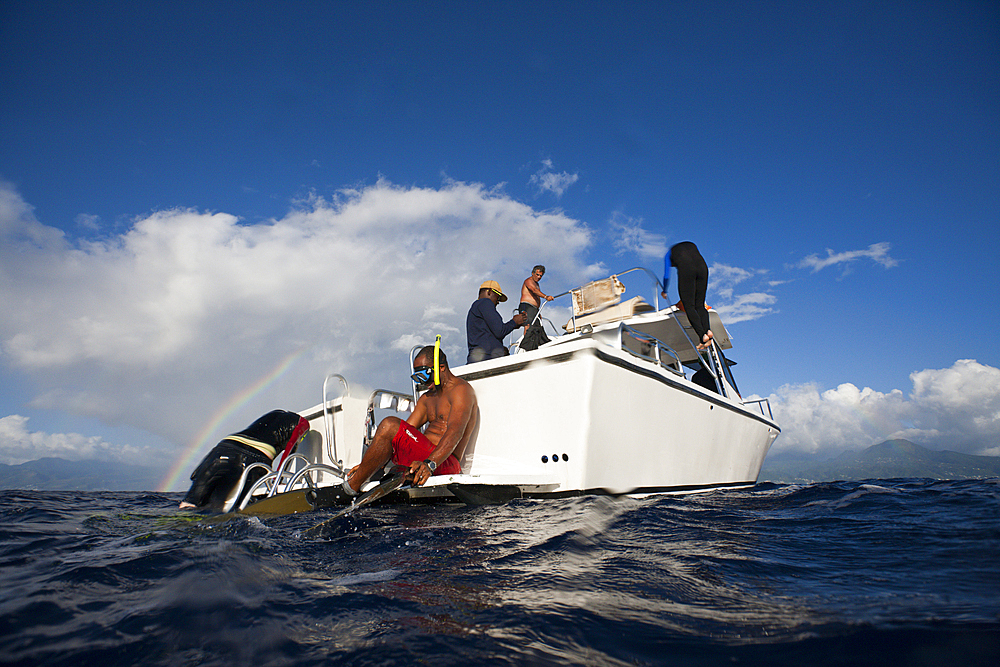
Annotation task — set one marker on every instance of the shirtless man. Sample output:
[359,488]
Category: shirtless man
[451,413]
[531,294]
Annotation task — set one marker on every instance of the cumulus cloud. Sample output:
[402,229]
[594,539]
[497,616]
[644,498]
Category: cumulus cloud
[956,408]
[877,252]
[160,326]
[188,315]
[18,445]
[548,180]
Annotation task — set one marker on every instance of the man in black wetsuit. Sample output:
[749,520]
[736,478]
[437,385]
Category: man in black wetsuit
[213,480]
[692,285]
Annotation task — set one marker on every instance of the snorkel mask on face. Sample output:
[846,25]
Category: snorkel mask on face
[422,375]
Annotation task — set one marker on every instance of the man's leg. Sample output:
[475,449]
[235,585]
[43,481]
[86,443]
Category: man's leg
[378,454]
[530,311]
[700,291]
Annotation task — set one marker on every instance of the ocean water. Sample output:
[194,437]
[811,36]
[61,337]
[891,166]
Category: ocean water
[886,572]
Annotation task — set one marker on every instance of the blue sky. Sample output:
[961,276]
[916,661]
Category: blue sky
[201,199]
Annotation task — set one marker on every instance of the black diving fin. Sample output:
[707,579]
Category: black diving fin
[394,481]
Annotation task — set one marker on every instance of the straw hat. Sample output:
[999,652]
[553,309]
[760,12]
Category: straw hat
[495,286]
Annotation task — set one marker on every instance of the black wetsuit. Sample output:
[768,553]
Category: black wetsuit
[692,284]
[214,478]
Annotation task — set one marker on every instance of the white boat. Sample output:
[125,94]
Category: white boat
[620,403]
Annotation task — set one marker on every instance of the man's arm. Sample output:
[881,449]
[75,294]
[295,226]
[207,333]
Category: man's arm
[418,417]
[666,273]
[496,324]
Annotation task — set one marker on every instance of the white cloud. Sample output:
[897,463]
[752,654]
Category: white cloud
[189,316]
[18,444]
[956,408]
[160,327]
[547,180]
[88,222]
[722,278]
[18,226]
[629,236]
[877,252]
[745,307]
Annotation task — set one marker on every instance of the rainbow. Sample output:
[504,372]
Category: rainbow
[241,398]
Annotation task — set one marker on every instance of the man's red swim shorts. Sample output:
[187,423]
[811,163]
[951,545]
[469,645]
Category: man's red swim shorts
[409,445]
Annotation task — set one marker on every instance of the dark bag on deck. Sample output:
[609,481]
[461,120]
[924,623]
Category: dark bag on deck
[534,337]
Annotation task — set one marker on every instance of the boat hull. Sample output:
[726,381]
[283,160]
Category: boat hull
[595,419]
[605,411]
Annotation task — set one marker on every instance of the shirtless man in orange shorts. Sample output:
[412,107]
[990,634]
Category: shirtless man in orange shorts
[451,413]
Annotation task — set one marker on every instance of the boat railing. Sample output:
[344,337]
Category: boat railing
[278,480]
[385,399]
[285,480]
[761,403]
[651,349]
[709,358]
[515,346]
[330,431]
[657,285]
[657,288]
[271,482]
[538,315]
[552,325]
[229,507]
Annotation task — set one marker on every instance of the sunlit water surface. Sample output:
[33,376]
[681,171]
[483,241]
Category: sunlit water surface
[888,572]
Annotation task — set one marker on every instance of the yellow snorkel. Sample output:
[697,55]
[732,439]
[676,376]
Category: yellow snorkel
[437,364]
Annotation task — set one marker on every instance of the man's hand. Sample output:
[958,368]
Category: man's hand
[421,473]
[519,318]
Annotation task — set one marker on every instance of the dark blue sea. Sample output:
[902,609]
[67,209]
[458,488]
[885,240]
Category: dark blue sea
[885,572]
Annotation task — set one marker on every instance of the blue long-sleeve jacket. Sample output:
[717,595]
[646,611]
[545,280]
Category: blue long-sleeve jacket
[666,270]
[486,330]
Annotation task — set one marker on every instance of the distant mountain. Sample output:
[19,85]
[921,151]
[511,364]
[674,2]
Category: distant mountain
[53,474]
[886,460]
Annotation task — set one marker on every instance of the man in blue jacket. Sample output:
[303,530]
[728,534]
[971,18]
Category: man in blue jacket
[484,326]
